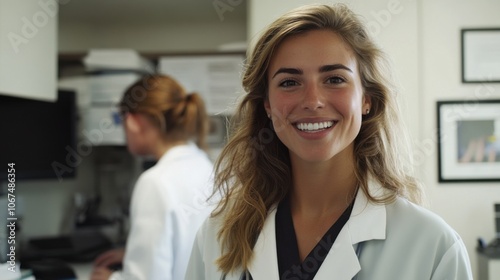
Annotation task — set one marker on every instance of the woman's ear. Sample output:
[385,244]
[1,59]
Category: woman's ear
[367,104]
[132,122]
[267,107]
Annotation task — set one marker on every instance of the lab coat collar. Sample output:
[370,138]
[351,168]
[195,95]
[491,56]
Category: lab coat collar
[367,222]
[179,151]
[264,264]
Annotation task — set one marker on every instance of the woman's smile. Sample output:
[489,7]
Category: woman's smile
[313,127]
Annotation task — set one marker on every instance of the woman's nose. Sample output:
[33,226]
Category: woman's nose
[313,98]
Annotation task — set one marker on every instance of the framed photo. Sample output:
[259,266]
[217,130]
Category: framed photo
[481,55]
[468,140]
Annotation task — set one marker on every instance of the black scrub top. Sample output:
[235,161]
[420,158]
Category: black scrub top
[289,264]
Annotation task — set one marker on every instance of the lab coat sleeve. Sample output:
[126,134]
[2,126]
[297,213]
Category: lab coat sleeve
[117,275]
[196,265]
[121,275]
[455,264]
[149,253]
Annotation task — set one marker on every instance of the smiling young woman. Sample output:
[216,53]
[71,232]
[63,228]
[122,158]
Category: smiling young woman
[316,98]
[328,194]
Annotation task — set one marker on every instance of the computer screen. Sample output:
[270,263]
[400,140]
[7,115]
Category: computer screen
[37,136]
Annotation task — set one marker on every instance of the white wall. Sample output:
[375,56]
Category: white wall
[423,40]
[467,207]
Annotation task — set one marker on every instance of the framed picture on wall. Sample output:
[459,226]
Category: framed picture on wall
[468,140]
[481,55]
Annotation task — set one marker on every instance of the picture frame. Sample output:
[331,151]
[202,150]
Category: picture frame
[480,55]
[468,141]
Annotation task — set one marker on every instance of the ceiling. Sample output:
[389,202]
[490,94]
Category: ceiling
[115,11]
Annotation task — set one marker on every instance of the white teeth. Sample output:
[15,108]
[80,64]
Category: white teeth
[314,126]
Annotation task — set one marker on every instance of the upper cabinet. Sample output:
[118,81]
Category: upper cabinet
[152,26]
[28,49]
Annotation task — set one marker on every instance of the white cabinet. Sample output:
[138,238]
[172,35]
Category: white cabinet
[28,48]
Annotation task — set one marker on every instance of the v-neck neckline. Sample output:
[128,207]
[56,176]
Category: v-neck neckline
[289,263]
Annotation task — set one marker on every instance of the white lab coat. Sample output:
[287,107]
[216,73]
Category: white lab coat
[167,208]
[401,241]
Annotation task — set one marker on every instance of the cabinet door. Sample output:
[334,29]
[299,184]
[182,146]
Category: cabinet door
[28,48]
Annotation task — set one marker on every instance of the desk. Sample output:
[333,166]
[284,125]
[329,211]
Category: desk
[489,264]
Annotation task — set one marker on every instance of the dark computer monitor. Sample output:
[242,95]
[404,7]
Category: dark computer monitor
[37,134]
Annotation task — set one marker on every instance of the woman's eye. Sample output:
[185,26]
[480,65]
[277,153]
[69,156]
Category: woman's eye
[288,83]
[335,80]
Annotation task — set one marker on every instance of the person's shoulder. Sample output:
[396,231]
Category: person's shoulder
[210,228]
[186,160]
[207,237]
[416,220]
[155,182]
[434,245]
[150,176]
[183,160]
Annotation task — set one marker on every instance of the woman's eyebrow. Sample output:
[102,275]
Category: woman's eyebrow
[331,67]
[322,69]
[288,71]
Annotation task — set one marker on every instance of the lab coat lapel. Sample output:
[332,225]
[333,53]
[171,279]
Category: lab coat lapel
[264,264]
[341,261]
[367,222]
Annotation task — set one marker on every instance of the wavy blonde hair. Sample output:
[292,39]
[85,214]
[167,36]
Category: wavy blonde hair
[253,170]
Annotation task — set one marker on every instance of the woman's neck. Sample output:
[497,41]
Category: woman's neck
[322,188]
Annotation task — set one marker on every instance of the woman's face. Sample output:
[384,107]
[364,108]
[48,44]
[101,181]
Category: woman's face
[315,96]
[137,132]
